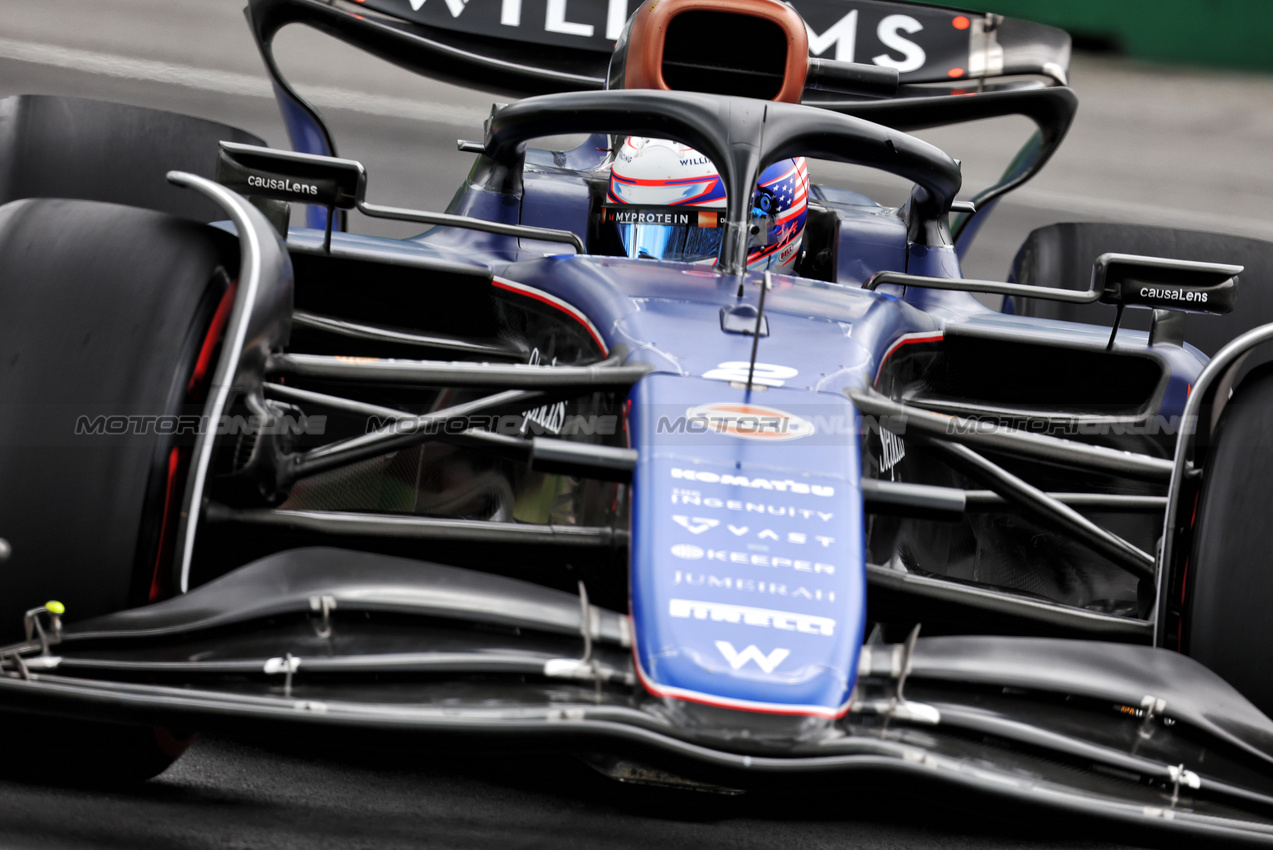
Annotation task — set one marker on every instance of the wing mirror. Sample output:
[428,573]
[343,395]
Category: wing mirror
[1170,288]
[324,181]
[274,179]
[1127,280]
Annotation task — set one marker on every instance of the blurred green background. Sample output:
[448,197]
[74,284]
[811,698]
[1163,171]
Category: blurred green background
[1226,33]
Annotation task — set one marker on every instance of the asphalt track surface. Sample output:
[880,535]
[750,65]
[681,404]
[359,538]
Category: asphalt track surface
[228,794]
[1151,145]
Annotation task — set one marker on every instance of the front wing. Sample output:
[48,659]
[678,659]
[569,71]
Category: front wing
[369,647]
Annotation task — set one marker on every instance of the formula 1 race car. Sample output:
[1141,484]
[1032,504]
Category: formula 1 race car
[651,449]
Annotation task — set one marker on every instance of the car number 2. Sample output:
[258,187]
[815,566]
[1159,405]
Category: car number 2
[767,374]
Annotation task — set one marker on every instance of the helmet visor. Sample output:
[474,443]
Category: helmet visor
[678,234]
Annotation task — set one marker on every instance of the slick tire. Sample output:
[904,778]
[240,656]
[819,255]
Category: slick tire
[69,147]
[1229,576]
[105,316]
[87,754]
[1061,256]
[109,316]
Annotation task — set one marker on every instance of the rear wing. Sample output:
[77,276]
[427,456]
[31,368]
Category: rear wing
[499,45]
[929,58]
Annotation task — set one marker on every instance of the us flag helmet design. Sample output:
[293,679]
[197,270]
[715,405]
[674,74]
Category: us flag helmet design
[655,183]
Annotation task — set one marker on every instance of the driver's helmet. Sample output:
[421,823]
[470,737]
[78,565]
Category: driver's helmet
[666,201]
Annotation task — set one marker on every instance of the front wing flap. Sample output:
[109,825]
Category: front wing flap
[366,646]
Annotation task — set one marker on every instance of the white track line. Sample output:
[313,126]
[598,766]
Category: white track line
[233,83]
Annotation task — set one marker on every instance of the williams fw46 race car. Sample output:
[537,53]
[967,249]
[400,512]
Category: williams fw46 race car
[650,449]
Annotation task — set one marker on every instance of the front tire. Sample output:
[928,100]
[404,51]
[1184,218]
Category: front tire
[89,754]
[1228,580]
[104,311]
[109,315]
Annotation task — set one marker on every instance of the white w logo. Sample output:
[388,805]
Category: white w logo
[737,659]
[456,6]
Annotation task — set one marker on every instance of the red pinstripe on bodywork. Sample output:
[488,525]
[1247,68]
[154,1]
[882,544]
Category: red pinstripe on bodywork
[735,704]
[906,339]
[557,304]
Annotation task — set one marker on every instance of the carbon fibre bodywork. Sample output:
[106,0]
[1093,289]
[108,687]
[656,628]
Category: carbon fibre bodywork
[377,649]
[688,515]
